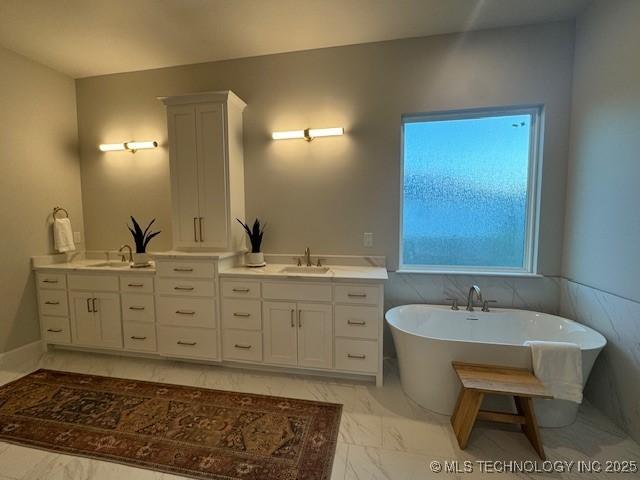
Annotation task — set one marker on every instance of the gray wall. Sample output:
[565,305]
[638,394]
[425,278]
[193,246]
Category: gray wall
[602,235]
[326,193]
[40,168]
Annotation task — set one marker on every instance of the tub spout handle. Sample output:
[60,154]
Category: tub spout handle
[454,303]
[485,305]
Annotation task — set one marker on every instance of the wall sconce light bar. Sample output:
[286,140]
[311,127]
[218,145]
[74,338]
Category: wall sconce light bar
[132,146]
[308,134]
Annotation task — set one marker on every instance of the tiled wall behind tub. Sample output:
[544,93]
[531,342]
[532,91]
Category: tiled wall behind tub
[614,383]
[541,294]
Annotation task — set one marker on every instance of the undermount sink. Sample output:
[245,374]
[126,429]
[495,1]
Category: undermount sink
[306,270]
[112,264]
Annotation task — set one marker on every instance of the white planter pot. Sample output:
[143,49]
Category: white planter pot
[255,258]
[140,259]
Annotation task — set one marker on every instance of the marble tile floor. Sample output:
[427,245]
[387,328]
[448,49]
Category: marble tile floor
[383,435]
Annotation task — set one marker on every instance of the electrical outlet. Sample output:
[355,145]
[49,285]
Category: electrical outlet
[77,238]
[367,239]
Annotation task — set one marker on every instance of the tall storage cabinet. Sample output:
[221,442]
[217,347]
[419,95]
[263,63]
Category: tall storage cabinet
[207,169]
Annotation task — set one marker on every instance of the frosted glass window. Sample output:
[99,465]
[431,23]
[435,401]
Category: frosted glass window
[469,183]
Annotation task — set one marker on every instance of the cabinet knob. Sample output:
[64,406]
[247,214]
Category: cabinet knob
[242,347]
[54,330]
[190,344]
[51,302]
[241,314]
[138,338]
[359,323]
[185,312]
[186,289]
[133,307]
[357,295]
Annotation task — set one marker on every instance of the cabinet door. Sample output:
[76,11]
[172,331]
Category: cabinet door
[212,175]
[315,335]
[181,123]
[85,329]
[280,337]
[107,313]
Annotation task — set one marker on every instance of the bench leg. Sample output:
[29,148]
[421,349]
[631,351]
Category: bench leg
[530,427]
[464,416]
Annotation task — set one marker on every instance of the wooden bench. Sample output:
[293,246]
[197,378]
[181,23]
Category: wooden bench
[477,380]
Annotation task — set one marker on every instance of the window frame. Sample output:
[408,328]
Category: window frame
[534,185]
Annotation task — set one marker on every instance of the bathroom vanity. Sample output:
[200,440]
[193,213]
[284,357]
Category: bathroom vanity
[204,307]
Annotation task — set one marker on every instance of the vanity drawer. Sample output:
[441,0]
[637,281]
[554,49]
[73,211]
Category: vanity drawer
[53,302]
[296,291]
[240,289]
[188,342]
[137,307]
[242,345]
[187,312]
[241,314]
[52,281]
[196,288]
[55,329]
[135,284]
[367,294]
[357,321]
[178,268]
[101,283]
[139,336]
[356,355]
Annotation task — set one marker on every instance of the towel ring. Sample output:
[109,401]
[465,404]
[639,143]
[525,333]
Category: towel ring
[60,209]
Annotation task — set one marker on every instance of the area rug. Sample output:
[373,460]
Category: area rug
[195,432]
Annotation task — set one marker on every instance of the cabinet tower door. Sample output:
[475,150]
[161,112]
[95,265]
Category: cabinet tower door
[280,338]
[315,335]
[181,122]
[212,175]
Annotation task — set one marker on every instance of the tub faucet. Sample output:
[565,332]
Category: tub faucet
[307,256]
[474,289]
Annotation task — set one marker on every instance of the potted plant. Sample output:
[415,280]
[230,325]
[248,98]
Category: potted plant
[141,239]
[256,257]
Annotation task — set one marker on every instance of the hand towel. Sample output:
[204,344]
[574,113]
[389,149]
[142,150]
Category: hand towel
[63,235]
[558,365]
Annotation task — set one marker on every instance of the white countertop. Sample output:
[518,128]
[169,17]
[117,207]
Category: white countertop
[90,266]
[336,272]
[178,254]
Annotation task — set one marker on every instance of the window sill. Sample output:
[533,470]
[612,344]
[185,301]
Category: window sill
[477,273]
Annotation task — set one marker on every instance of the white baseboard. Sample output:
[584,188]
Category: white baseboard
[21,356]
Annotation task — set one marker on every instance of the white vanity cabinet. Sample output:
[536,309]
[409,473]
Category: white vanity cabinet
[97,310]
[324,326]
[298,334]
[207,169]
[187,318]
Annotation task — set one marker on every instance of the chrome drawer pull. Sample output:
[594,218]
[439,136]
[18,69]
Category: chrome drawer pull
[240,314]
[243,347]
[185,312]
[241,290]
[187,289]
[138,338]
[183,269]
[357,295]
[360,323]
[359,357]
[54,330]
[190,344]
[46,280]
[135,284]
[136,308]
[51,302]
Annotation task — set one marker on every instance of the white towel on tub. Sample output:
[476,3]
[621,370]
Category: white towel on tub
[63,235]
[559,366]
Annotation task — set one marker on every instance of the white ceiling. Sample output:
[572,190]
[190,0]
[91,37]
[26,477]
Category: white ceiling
[94,37]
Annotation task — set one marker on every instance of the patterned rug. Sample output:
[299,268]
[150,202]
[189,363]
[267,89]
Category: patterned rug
[195,432]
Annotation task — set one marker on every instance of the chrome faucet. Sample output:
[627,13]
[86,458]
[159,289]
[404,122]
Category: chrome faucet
[307,257]
[122,254]
[475,289]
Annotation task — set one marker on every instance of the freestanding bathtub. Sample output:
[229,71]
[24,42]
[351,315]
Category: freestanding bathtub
[429,337]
